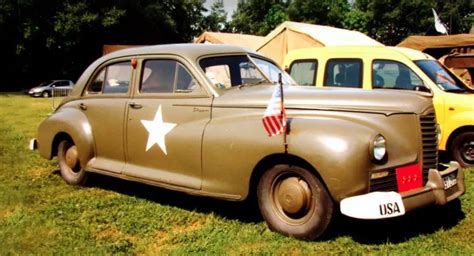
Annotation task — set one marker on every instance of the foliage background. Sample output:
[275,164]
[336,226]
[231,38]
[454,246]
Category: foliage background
[58,39]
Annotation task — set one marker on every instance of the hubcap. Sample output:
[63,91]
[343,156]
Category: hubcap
[293,195]
[467,151]
[71,157]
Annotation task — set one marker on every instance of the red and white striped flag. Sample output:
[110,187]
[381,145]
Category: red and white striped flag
[274,119]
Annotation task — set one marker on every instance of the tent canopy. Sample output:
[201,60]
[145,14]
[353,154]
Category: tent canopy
[244,40]
[288,36]
[294,35]
[422,43]
[438,46]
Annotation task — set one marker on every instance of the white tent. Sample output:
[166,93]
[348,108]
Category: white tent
[294,35]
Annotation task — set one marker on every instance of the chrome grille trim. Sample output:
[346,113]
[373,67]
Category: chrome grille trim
[387,183]
[429,138]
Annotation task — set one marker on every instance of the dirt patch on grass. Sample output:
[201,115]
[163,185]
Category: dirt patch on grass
[113,234]
[162,244]
[38,173]
[186,229]
[6,213]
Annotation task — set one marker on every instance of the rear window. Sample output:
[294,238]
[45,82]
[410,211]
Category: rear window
[112,79]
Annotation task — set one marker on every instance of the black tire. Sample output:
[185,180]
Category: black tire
[307,209]
[45,94]
[69,164]
[463,149]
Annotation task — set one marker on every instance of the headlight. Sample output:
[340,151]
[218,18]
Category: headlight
[37,90]
[378,148]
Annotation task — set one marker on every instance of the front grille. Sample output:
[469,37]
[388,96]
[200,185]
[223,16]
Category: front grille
[387,183]
[429,139]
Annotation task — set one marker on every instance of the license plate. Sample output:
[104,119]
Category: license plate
[450,181]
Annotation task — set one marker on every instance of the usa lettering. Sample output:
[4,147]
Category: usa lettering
[389,208]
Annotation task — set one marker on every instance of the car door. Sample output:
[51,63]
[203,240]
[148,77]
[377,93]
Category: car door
[166,120]
[104,103]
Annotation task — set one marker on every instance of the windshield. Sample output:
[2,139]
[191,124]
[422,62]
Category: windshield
[238,70]
[271,71]
[441,76]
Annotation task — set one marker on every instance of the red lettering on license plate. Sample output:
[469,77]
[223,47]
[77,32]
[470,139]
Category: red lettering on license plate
[409,177]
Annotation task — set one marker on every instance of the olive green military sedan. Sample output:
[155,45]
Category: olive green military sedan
[189,118]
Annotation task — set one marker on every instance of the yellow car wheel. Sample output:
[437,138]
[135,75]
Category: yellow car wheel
[463,149]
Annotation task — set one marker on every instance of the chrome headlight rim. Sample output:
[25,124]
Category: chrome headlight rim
[378,148]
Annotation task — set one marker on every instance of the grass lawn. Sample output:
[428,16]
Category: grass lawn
[40,214]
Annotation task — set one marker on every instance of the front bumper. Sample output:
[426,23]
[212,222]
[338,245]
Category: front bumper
[34,94]
[441,187]
[434,191]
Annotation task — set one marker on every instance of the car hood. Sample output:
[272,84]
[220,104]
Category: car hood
[344,99]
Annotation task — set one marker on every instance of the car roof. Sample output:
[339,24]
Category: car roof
[359,50]
[191,51]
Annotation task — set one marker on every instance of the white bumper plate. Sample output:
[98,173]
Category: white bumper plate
[375,205]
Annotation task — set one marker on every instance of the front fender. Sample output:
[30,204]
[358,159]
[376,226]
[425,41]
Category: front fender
[337,146]
[456,121]
[70,122]
[337,149]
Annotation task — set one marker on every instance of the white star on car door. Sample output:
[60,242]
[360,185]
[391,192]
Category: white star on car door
[157,130]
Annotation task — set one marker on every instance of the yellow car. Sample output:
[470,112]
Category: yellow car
[400,69]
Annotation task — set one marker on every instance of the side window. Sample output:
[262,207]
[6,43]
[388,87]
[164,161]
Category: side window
[114,78]
[228,71]
[304,71]
[344,73]
[64,83]
[184,81]
[166,76]
[249,73]
[389,74]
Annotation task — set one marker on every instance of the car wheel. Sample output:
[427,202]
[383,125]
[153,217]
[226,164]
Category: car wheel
[69,164]
[45,94]
[294,202]
[463,149]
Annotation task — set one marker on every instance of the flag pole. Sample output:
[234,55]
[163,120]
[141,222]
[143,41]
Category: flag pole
[282,113]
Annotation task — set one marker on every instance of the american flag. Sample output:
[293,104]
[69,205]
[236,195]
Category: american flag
[274,119]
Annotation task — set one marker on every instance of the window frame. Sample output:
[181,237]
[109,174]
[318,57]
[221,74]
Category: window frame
[98,71]
[144,60]
[315,73]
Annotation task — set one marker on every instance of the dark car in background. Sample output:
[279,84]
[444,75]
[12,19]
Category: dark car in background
[52,88]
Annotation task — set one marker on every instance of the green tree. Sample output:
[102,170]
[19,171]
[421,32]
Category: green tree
[258,16]
[319,12]
[391,21]
[51,39]
[275,16]
[217,18]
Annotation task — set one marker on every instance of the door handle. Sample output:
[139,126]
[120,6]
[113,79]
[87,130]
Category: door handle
[135,105]
[83,106]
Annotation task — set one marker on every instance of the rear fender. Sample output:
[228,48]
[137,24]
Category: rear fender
[66,122]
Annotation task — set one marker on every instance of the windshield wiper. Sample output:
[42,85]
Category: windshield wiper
[459,90]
